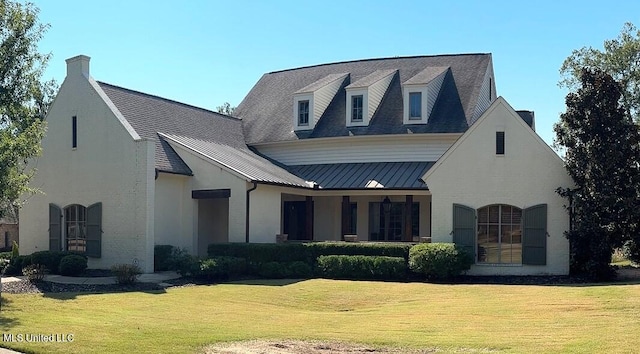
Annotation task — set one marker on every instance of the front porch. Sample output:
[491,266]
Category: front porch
[382,216]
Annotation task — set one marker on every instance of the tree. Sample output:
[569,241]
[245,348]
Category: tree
[24,99]
[620,59]
[226,109]
[602,146]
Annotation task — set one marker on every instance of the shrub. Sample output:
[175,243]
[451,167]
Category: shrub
[259,253]
[11,270]
[126,274]
[162,257]
[299,270]
[631,251]
[6,255]
[221,268]
[72,265]
[184,263]
[50,259]
[274,270]
[361,267]
[20,262]
[317,249]
[34,272]
[15,252]
[438,261]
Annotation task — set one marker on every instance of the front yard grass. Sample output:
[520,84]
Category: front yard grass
[502,318]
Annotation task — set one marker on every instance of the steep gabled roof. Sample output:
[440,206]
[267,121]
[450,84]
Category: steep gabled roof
[149,115]
[268,108]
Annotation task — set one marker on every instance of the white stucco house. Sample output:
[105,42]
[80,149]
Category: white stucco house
[391,149]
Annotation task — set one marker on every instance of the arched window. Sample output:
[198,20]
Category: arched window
[500,234]
[75,218]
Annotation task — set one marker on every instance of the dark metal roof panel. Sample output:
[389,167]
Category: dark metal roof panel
[393,175]
[241,160]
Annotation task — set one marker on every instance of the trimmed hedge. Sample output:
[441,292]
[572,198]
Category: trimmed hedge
[261,253]
[221,268]
[49,259]
[439,261]
[162,257]
[282,270]
[72,265]
[362,267]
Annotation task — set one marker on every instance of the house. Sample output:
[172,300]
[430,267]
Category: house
[397,149]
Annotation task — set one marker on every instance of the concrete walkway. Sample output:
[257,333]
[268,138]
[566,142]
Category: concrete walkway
[159,277]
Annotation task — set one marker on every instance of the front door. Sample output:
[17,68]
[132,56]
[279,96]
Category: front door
[295,220]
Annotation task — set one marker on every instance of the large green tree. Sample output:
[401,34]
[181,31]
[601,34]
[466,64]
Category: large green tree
[620,58]
[24,99]
[602,155]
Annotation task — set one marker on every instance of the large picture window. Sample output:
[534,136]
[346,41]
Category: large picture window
[76,227]
[500,234]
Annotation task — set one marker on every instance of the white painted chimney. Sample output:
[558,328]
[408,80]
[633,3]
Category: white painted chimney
[78,65]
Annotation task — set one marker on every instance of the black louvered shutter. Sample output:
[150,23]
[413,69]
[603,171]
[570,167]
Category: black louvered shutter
[464,228]
[534,239]
[94,230]
[55,229]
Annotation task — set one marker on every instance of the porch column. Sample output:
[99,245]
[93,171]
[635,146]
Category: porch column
[345,216]
[309,218]
[408,207]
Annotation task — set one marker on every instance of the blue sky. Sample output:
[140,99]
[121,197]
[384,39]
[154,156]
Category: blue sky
[208,52]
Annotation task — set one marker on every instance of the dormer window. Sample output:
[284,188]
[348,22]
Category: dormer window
[364,96]
[310,102]
[420,93]
[356,108]
[303,112]
[415,105]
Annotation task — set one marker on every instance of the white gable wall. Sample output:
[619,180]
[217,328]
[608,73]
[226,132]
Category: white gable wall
[108,166]
[173,211]
[206,175]
[529,172]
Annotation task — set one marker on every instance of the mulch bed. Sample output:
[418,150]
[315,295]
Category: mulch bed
[27,287]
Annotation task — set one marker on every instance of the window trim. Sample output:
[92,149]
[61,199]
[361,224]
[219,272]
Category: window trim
[500,143]
[74,132]
[79,224]
[357,109]
[499,224]
[419,101]
[302,113]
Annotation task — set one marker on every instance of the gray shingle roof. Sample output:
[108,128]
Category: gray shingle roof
[267,111]
[149,115]
[322,82]
[399,175]
[371,78]
[426,75]
[240,160]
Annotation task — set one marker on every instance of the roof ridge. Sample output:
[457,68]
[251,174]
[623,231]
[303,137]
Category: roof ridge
[374,59]
[222,115]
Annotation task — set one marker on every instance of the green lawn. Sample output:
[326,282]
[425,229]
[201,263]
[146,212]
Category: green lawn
[509,318]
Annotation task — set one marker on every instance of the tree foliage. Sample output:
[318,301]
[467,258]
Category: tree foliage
[226,108]
[619,58]
[24,99]
[602,145]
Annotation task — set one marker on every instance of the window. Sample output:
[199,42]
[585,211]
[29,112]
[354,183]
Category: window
[353,218]
[415,105]
[396,218]
[500,234]
[499,143]
[356,108]
[76,227]
[74,132]
[303,112]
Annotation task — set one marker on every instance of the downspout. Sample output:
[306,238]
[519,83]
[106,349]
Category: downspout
[255,185]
